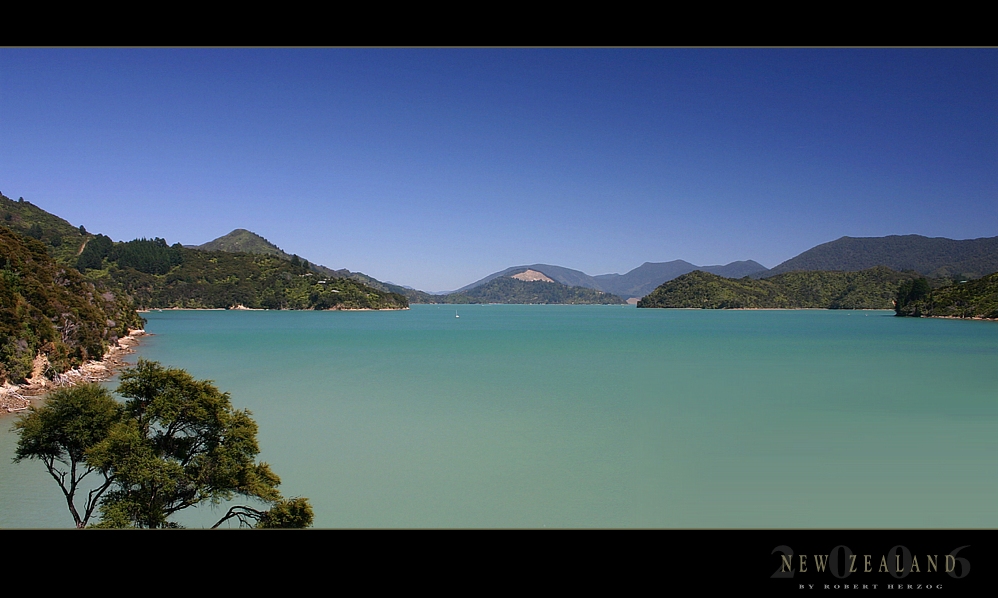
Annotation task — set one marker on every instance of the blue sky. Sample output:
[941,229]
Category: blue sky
[435,167]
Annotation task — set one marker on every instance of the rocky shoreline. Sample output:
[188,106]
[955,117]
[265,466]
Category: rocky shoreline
[18,397]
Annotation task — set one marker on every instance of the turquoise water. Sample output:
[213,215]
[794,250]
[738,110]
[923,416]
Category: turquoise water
[595,416]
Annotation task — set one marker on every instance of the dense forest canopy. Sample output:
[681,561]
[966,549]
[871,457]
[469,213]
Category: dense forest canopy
[868,289]
[961,299]
[51,309]
[158,276]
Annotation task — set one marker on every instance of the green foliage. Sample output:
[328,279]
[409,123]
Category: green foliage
[969,299]
[292,513]
[184,445]
[27,219]
[505,289]
[147,256]
[244,241]
[222,280]
[94,252]
[62,433]
[867,289]
[176,443]
[910,295]
[51,309]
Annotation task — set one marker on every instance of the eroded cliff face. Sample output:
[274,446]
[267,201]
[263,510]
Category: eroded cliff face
[532,276]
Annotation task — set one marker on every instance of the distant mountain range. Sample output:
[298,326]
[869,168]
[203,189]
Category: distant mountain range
[529,290]
[636,283]
[934,257]
[931,256]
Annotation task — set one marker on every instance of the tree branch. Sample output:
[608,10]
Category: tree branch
[242,513]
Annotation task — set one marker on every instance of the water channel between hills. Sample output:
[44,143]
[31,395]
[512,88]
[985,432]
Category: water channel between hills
[594,416]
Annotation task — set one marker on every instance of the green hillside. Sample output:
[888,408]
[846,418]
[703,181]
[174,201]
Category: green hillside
[511,290]
[970,299]
[156,275]
[62,240]
[69,294]
[244,241]
[49,308]
[868,289]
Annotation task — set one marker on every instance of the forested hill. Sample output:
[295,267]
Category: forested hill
[68,294]
[933,257]
[970,299]
[511,290]
[244,241]
[50,309]
[868,289]
[64,241]
[157,275]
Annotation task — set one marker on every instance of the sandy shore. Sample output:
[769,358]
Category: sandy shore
[18,397]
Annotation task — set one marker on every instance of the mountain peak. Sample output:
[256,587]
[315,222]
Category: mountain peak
[243,241]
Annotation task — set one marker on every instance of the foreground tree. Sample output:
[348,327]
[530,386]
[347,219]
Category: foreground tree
[62,432]
[176,443]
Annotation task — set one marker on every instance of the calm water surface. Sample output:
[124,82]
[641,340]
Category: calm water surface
[595,416]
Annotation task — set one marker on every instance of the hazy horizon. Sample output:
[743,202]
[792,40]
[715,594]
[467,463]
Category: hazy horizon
[433,168]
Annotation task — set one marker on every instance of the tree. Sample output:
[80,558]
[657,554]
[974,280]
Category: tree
[909,294]
[296,512]
[176,443]
[60,434]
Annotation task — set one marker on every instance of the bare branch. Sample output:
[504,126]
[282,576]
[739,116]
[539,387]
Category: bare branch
[243,513]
